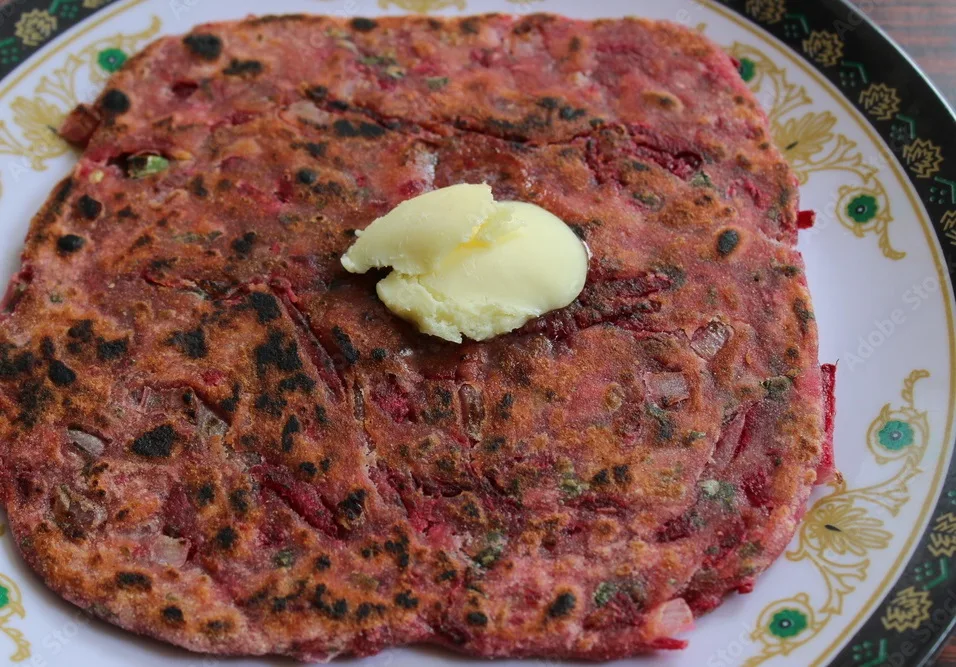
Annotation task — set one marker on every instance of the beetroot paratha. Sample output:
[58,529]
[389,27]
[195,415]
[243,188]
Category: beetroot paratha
[216,436]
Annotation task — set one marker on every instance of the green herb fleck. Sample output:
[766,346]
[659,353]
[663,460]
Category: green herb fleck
[750,549]
[727,242]
[701,180]
[142,166]
[777,387]
[573,486]
[694,436]
[789,270]
[649,199]
[718,490]
[804,314]
[675,273]
[665,425]
[437,82]
[490,554]
[604,592]
[378,61]
[284,558]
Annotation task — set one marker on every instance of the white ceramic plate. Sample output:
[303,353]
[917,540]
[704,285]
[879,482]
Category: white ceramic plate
[867,578]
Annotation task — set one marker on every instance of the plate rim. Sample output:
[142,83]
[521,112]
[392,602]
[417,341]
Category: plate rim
[840,15]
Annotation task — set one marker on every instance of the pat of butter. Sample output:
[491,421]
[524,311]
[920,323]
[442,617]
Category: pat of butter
[466,265]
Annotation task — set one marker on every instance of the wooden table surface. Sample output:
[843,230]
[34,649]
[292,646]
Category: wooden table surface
[927,30]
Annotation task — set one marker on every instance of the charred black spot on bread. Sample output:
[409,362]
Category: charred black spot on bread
[364,611]
[317,149]
[476,618]
[157,443]
[243,245]
[107,350]
[270,404]
[318,93]
[344,343]
[218,627]
[405,600]
[276,352]
[115,101]
[32,397]
[133,581]
[88,207]
[308,469]
[69,243]
[336,610]
[348,129]
[296,382]
[81,331]
[243,67]
[353,505]
[198,187]
[470,26]
[265,305]
[727,242]
[191,343]
[63,191]
[306,176]
[292,426]
[239,500]
[562,605]
[363,24]
[206,494]
[204,45]
[173,615]
[19,364]
[60,374]
[226,537]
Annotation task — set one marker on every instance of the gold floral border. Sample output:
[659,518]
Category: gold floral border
[809,143]
[37,118]
[838,533]
[11,606]
[35,142]
[774,11]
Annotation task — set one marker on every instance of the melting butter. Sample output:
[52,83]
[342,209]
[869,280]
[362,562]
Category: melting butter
[466,265]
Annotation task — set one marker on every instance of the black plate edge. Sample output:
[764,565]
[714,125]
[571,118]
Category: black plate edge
[933,119]
[18,41]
